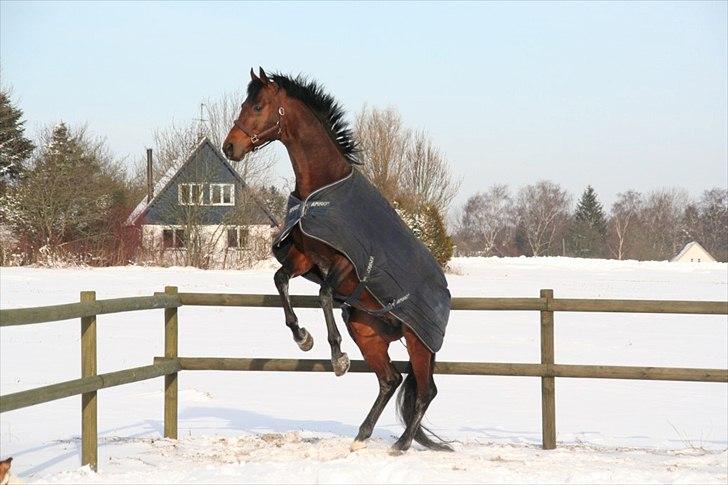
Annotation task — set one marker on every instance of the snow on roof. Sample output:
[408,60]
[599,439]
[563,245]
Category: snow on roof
[156,190]
[688,246]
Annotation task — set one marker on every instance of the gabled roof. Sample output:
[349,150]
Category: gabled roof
[690,245]
[175,169]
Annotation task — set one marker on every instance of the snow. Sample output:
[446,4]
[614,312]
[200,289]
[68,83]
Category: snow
[268,427]
[303,458]
[175,166]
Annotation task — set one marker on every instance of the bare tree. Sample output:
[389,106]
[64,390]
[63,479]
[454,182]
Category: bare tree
[405,165]
[713,215]
[175,142]
[542,210]
[426,175]
[383,140]
[486,224]
[624,222]
[662,218]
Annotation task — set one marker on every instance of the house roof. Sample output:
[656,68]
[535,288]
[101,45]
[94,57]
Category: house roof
[688,246]
[166,179]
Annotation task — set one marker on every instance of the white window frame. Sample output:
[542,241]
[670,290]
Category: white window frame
[220,189]
[200,198]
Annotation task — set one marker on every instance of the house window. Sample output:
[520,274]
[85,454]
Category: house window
[222,194]
[173,238]
[190,194]
[237,237]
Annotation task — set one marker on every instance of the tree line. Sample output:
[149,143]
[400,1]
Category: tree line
[538,220]
[63,197]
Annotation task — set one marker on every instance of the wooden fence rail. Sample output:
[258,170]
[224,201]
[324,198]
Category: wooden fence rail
[461,368]
[474,303]
[171,364]
[26,316]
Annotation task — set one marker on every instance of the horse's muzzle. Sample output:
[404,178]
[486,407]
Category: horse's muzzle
[227,149]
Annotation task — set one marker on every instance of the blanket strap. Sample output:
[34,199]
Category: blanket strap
[355,296]
[388,307]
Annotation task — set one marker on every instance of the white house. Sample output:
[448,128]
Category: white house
[693,252]
[201,213]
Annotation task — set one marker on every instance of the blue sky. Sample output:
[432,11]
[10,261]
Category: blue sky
[617,95]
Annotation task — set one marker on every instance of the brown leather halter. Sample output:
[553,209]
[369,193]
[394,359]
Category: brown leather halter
[256,137]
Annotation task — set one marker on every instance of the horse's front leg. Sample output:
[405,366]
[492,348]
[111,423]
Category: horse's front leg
[339,359]
[300,335]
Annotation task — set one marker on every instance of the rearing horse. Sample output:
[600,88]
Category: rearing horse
[333,205]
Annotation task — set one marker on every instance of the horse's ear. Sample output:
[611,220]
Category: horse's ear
[253,76]
[263,76]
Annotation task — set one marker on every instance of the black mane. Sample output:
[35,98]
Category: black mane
[322,104]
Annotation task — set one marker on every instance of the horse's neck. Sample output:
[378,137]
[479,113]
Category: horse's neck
[317,160]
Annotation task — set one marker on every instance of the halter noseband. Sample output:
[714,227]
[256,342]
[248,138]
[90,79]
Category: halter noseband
[256,137]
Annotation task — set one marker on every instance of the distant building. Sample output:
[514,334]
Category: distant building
[693,252]
[201,213]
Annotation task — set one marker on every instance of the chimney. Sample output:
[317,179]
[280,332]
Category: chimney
[150,176]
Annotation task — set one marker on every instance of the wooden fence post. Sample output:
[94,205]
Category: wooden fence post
[89,406]
[170,381]
[548,391]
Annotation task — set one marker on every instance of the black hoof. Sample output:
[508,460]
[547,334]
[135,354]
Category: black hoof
[341,364]
[306,343]
[396,452]
[398,448]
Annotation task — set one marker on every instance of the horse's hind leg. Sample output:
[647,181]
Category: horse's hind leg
[416,394]
[300,335]
[374,347]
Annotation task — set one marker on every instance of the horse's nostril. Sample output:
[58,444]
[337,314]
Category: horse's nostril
[227,149]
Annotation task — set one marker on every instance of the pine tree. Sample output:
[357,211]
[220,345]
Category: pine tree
[589,210]
[66,195]
[15,148]
[589,226]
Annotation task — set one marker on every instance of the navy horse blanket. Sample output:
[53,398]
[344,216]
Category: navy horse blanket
[396,268]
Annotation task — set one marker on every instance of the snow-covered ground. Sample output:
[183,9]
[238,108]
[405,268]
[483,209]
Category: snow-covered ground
[277,427]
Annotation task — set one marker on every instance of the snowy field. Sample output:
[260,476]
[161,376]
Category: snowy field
[268,427]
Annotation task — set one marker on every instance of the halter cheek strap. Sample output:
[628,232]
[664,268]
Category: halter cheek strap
[257,137]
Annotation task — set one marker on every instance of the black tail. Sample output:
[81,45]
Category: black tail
[406,410]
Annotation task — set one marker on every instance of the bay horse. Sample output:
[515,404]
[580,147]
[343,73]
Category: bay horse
[309,123]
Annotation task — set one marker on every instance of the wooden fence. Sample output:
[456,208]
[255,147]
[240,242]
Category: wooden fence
[171,363]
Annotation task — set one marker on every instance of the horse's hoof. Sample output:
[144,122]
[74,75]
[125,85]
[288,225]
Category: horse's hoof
[398,448]
[358,445]
[341,364]
[306,343]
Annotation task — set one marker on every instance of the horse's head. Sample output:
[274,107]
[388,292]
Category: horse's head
[259,121]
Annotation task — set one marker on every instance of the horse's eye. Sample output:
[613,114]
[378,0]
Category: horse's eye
[257,107]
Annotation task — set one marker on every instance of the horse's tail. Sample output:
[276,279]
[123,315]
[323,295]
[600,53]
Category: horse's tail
[406,412]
